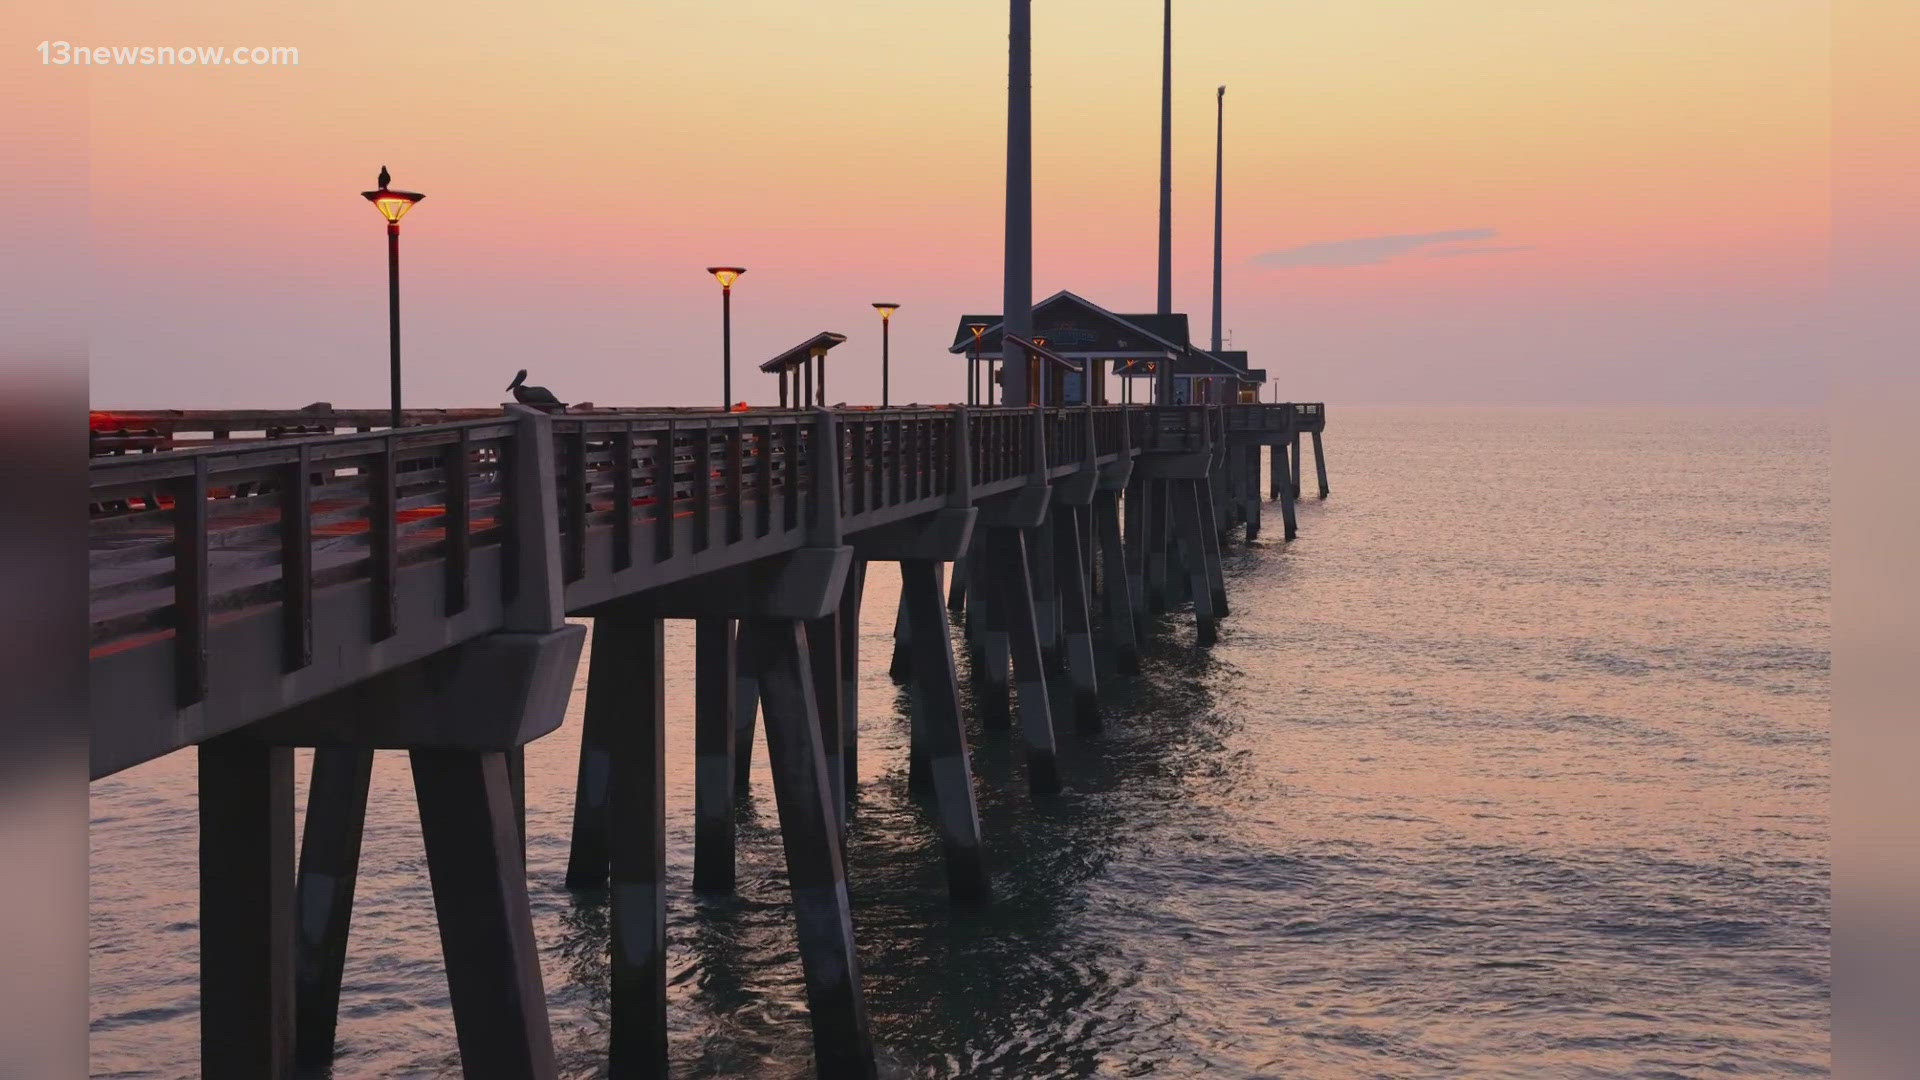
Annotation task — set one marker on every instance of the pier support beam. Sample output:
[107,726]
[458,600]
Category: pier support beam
[1159,522]
[1210,552]
[632,697]
[1046,587]
[1117,584]
[957,589]
[1076,618]
[1320,464]
[823,651]
[246,911]
[1293,467]
[588,856]
[1135,504]
[776,651]
[1219,507]
[992,690]
[486,924]
[1011,568]
[902,663]
[936,705]
[850,598]
[715,715]
[1289,520]
[1190,519]
[1007,617]
[746,708]
[1249,490]
[329,868]
[919,760]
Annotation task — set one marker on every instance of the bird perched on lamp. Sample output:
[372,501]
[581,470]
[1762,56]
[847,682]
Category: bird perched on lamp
[537,396]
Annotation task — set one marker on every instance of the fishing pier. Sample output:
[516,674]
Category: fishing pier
[262,581]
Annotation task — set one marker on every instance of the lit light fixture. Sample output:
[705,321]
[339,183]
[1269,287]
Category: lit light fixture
[727,274]
[393,205]
[887,310]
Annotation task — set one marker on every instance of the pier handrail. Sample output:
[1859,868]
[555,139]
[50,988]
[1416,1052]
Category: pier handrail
[254,536]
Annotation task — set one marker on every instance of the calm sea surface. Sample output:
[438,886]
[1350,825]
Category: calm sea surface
[1515,764]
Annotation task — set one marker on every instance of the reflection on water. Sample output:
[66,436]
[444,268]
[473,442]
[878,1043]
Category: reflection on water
[1515,764]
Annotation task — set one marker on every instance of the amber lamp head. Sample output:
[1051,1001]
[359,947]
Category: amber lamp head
[393,205]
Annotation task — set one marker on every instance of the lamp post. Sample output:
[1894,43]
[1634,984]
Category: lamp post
[393,205]
[727,275]
[886,321]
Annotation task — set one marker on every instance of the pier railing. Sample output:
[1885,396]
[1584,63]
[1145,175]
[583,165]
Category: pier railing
[309,559]
[1280,419]
[181,541]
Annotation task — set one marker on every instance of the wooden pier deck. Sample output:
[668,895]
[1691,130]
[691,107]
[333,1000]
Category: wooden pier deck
[268,580]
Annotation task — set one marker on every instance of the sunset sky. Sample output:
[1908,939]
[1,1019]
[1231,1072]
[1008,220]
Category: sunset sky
[1451,201]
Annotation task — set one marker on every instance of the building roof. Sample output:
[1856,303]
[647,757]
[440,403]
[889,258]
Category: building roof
[1237,360]
[1074,325]
[794,357]
[1046,354]
[1198,362]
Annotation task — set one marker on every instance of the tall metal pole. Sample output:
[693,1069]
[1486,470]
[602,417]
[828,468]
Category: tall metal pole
[1219,159]
[393,320]
[1017,300]
[886,366]
[726,348]
[1166,163]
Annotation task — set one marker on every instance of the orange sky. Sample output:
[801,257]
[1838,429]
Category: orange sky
[1651,179]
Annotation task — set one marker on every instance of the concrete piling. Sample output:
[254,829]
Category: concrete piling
[937,711]
[486,924]
[329,869]
[1320,464]
[633,695]
[715,720]
[246,910]
[810,831]
[1029,666]
[1118,582]
[1076,619]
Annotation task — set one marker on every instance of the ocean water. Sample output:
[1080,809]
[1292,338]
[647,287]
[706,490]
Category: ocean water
[1514,764]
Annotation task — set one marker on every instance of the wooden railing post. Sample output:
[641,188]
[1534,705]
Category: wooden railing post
[961,449]
[825,528]
[665,489]
[620,452]
[296,561]
[383,533]
[536,604]
[457,464]
[575,561]
[190,602]
[1038,435]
